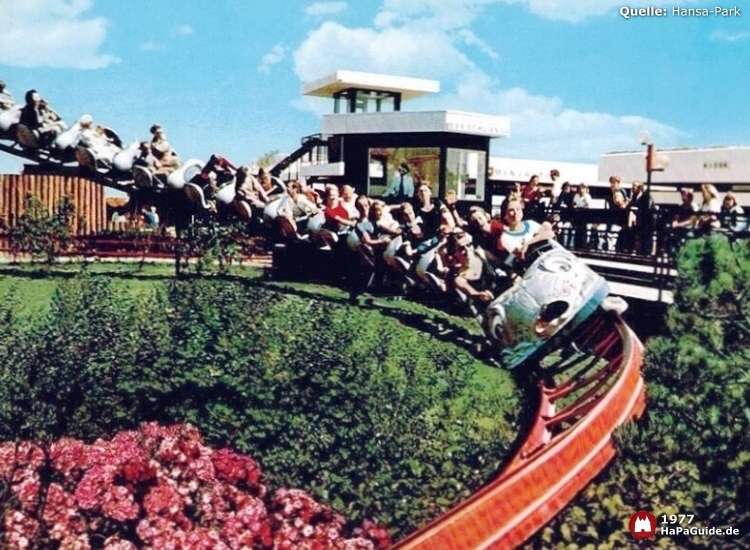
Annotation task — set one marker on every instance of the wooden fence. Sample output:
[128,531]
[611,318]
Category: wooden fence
[87,196]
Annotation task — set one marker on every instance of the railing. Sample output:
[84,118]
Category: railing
[313,145]
[144,245]
[644,256]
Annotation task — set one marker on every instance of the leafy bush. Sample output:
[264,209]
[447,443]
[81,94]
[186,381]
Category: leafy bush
[42,233]
[158,487]
[215,247]
[376,419]
[690,454]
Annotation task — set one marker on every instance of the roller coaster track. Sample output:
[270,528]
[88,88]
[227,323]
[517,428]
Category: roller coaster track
[594,388]
[62,163]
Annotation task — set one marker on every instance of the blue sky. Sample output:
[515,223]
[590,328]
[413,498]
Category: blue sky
[574,76]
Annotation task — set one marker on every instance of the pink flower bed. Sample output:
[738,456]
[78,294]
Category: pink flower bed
[159,488]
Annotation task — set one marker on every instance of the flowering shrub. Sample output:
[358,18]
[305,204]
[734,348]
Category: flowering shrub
[161,488]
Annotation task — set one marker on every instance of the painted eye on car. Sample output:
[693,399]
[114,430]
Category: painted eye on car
[557,265]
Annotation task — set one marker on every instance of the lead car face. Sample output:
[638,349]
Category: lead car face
[557,292]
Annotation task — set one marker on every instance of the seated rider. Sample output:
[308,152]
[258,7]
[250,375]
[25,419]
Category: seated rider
[216,172]
[486,232]
[294,212]
[431,215]
[40,118]
[247,188]
[451,204]
[6,98]
[272,186]
[145,157]
[381,215]
[372,239]
[520,235]
[337,220]
[337,216]
[311,194]
[463,269]
[50,117]
[400,252]
[95,138]
[166,160]
[225,171]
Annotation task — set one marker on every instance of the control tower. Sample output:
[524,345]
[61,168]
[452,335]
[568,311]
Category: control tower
[370,143]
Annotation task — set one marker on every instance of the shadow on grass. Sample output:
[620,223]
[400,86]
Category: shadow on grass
[429,315]
[71,271]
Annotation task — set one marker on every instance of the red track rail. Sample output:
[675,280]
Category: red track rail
[563,452]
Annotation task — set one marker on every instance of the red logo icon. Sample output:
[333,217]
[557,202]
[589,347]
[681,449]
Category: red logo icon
[642,525]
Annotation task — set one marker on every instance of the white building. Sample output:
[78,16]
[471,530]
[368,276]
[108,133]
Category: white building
[726,167]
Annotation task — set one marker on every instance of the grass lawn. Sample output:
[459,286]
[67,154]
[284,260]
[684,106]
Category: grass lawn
[33,285]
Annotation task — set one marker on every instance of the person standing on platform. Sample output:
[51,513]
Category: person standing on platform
[732,214]
[562,214]
[641,220]
[531,194]
[401,188]
[557,184]
[617,202]
[584,234]
[708,217]
[683,221]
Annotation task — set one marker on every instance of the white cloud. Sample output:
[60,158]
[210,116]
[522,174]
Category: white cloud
[726,36]
[319,9]
[150,46]
[574,10]
[437,14]
[424,40]
[409,51]
[276,55]
[472,39]
[543,127]
[53,33]
[185,30]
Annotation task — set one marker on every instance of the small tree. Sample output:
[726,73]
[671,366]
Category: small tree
[42,233]
[268,159]
[215,248]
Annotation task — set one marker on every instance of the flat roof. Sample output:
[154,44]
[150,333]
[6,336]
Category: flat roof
[410,122]
[341,80]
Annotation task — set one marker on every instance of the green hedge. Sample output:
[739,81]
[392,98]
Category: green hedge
[379,420]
